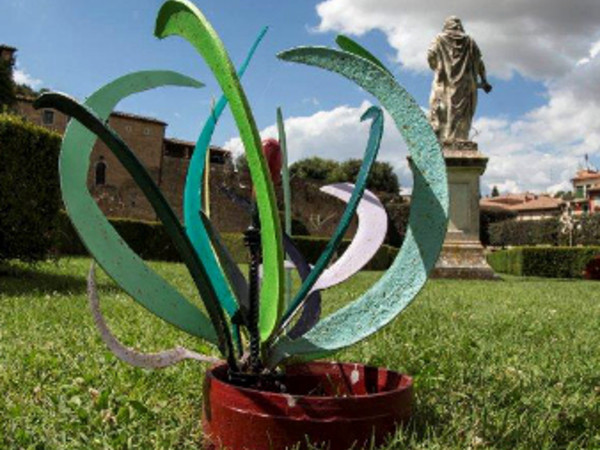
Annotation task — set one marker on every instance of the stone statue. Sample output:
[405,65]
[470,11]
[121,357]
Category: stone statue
[456,60]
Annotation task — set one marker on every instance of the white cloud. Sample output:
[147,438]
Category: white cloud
[594,50]
[554,41]
[562,186]
[20,76]
[542,150]
[337,134]
[537,38]
[539,151]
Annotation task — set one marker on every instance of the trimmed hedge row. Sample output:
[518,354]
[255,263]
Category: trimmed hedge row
[526,233]
[544,232]
[150,241]
[550,262]
[29,189]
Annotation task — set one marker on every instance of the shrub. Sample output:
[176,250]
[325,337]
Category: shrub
[526,232]
[489,215]
[29,189]
[314,168]
[147,239]
[381,179]
[150,241]
[587,231]
[544,232]
[551,262]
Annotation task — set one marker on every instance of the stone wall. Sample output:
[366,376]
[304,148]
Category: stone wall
[119,196]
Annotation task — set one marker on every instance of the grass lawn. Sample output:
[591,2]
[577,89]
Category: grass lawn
[511,364]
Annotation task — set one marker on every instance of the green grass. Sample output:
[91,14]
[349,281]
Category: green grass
[512,364]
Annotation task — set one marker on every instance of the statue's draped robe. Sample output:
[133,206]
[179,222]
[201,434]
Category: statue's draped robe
[455,58]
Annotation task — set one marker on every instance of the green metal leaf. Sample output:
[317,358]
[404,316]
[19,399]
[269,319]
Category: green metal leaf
[181,17]
[127,158]
[350,46]
[287,198]
[427,221]
[376,114]
[192,199]
[235,277]
[102,241]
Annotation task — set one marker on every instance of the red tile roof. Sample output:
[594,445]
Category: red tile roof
[586,174]
[523,202]
[541,203]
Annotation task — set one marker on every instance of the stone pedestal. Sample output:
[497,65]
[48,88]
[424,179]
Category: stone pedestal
[462,254]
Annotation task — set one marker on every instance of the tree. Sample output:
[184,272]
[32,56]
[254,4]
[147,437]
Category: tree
[27,91]
[7,86]
[314,168]
[565,195]
[382,178]
[495,192]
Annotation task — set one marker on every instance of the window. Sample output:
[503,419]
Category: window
[47,117]
[128,128]
[100,178]
[146,131]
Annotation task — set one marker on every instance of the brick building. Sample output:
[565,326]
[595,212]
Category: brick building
[166,159]
[586,187]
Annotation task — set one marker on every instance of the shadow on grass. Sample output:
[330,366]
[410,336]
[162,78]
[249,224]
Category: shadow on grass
[425,422]
[19,279]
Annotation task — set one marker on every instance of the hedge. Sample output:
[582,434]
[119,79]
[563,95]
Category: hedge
[526,233]
[29,188]
[489,215]
[551,262]
[544,232]
[587,230]
[150,241]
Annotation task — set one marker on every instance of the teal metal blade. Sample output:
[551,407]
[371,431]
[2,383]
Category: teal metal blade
[235,277]
[376,114]
[127,158]
[192,198]
[351,46]
[102,241]
[427,221]
[183,18]
[287,198]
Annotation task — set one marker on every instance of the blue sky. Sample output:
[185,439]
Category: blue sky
[539,78]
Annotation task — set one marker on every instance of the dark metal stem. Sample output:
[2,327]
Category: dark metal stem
[252,241]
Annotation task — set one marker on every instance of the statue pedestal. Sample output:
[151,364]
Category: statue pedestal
[462,254]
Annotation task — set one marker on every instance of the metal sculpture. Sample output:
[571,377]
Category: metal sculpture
[250,321]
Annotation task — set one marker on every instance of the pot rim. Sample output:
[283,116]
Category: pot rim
[406,383]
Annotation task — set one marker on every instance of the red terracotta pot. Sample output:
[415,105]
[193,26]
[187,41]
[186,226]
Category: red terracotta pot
[334,403]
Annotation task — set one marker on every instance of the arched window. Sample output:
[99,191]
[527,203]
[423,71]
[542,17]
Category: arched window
[100,173]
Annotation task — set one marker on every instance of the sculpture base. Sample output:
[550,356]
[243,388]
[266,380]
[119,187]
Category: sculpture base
[463,260]
[462,254]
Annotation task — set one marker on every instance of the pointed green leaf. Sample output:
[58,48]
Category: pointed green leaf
[192,199]
[181,17]
[427,221]
[348,45]
[287,198]
[125,267]
[127,158]
[376,114]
